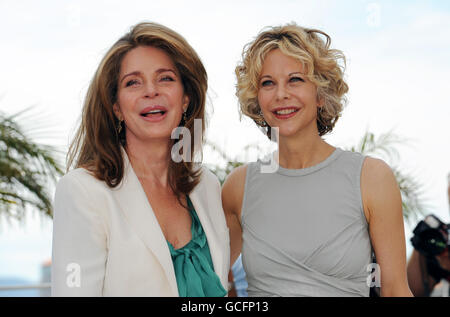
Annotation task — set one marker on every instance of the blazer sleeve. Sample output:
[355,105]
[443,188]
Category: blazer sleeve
[79,249]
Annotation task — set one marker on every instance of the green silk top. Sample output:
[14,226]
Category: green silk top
[193,264]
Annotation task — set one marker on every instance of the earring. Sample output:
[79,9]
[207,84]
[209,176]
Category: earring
[119,128]
[184,116]
[261,121]
[319,110]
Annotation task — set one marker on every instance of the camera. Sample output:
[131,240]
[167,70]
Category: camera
[431,236]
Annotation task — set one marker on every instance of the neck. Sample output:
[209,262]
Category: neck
[150,160]
[303,150]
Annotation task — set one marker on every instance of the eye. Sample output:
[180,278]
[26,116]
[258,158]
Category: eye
[167,78]
[266,83]
[296,79]
[131,82]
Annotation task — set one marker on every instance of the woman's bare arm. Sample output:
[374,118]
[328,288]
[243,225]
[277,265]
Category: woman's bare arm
[383,209]
[232,196]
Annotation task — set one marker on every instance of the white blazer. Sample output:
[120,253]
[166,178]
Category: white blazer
[108,242]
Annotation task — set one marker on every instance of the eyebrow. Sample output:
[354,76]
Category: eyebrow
[290,74]
[138,73]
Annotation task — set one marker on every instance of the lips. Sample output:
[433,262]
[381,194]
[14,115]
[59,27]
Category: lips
[154,113]
[285,112]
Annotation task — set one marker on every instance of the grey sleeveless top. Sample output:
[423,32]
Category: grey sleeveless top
[304,230]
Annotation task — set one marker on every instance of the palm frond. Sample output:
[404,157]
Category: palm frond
[385,147]
[230,163]
[27,169]
[412,196]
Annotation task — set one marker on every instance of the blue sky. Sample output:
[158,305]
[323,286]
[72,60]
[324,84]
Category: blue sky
[397,69]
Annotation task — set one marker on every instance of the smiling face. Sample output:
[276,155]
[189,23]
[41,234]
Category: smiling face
[151,97]
[288,100]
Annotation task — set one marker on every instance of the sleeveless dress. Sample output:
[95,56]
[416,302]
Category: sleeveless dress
[193,264]
[304,230]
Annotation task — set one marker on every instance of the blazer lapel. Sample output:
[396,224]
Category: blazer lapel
[199,199]
[138,211]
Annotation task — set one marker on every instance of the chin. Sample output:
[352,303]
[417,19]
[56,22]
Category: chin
[286,132]
[161,130]
[155,135]
[291,129]
[166,134]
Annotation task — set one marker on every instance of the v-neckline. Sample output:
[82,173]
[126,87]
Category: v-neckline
[190,209]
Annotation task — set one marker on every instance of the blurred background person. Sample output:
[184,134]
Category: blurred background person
[429,264]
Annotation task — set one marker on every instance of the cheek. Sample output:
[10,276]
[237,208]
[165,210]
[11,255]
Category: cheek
[263,99]
[125,101]
[312,95]
[312,98]
[176,97]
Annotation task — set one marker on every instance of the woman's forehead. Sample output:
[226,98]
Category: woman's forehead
[146,57]
[276,61]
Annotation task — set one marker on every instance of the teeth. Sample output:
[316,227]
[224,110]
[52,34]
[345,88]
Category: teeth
[286,111]
[153,112]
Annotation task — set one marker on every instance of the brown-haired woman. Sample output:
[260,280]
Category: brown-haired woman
[129,220]
[308,227]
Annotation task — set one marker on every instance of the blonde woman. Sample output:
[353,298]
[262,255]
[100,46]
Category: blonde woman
[308,228]
[129,220]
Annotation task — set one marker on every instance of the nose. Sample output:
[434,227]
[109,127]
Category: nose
[151,90]
[282,92]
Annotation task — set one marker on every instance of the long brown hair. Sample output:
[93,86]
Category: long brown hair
[97,144]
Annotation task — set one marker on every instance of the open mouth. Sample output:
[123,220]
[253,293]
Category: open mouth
[153,113]
[284,113]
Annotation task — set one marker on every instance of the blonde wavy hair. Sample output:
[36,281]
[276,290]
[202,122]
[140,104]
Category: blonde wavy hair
[323,66]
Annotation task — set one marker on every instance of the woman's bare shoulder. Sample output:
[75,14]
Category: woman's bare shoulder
[233,189]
